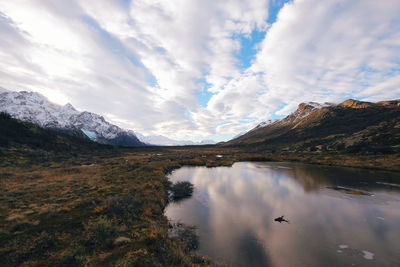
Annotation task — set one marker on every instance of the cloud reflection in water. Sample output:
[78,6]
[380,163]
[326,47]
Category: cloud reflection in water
[235,208]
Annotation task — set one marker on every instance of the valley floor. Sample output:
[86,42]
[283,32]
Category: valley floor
[107,209]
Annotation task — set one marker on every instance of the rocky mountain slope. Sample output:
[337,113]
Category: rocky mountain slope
[26,137]
[35,108]
[352,126]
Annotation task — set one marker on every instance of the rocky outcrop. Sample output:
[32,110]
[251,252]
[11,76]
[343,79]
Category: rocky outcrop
[351,103]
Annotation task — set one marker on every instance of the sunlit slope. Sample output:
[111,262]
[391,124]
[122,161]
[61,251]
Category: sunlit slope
[353,126]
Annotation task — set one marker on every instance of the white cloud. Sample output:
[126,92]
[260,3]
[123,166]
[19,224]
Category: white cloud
[331,49]
[142,63]
[317,51]
[84,51]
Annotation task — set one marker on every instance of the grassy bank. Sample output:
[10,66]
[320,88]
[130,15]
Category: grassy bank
[108,209]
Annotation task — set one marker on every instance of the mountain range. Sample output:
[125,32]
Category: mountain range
[351,126]
[35,108]
[26,138]
[165,141]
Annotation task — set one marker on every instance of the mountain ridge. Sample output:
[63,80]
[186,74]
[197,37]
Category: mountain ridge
[352,125]
[35,108]
[26,138]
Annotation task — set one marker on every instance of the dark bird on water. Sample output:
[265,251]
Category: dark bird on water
[281,219]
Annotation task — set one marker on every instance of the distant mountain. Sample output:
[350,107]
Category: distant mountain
[35,108]
[207,142]
[160,140]
[352,126]
[26,137]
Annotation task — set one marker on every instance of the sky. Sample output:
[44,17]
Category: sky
[200,69]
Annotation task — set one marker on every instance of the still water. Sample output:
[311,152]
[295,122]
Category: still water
[338,216]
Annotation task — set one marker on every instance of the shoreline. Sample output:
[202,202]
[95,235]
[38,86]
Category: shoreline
[106,209]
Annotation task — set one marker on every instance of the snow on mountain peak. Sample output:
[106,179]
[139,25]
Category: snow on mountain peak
[302,111]
[3,90]
[306,108]
[264,123]
[68,106]
[34,107]
[319,105]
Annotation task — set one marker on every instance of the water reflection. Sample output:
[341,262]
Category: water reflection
[235,208]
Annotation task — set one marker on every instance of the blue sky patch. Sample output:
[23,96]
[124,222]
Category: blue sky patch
[274,8]
[248,45]
[204,95]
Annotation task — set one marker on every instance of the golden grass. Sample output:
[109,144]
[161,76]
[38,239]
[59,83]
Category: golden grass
[71,212]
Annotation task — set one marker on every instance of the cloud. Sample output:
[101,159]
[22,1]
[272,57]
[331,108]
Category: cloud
[101,55]
[331,50]
[144,63]
[317,51]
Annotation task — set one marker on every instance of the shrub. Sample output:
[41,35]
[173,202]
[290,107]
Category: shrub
[102,228]
[184,234]
[72,170]
[42,243]
[71,256]
[181,190]
[123,207]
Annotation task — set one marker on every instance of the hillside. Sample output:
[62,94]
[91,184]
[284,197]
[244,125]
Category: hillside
[84,207]
[35,108]
[27,138]
[351,126]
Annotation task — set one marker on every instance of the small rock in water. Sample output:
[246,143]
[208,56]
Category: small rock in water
[368,255]
[381,218]
[343,246]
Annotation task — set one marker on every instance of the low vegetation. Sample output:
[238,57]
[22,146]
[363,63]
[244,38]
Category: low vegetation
[92,210]
[103,206]
[350,127]
[184,234]
[181,190]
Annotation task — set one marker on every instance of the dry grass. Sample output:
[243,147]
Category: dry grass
[72,212]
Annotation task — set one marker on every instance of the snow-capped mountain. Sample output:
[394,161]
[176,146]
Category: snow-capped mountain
[160,140]
[301,113]
[260,125]
[34,107]
[352,126]
[2,90]
[303,110]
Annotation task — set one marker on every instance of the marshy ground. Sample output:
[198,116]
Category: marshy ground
[108,209]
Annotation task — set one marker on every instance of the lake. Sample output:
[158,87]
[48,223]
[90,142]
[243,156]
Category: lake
[337,216]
